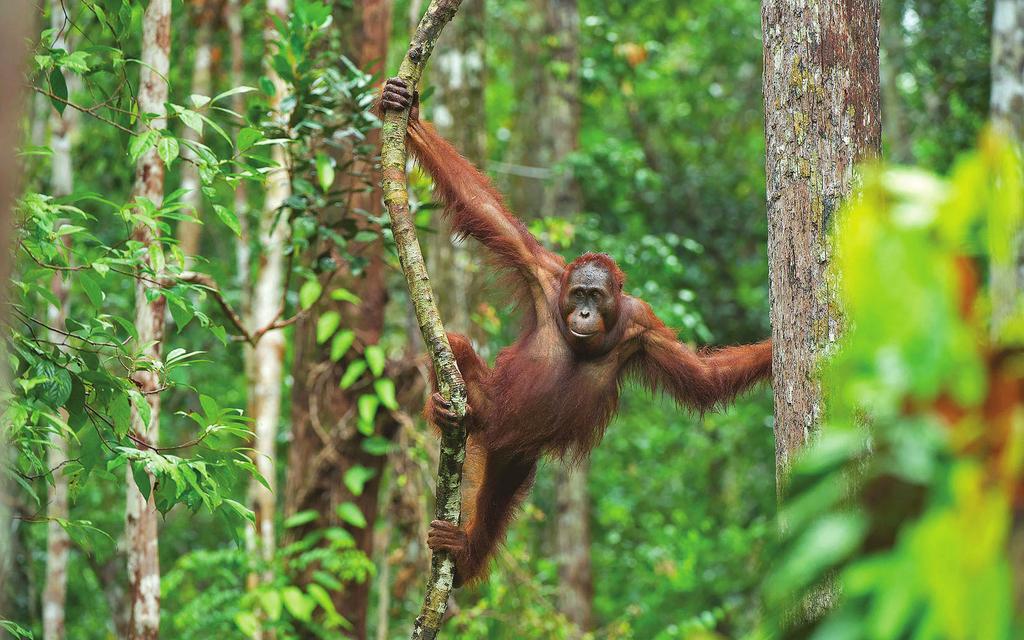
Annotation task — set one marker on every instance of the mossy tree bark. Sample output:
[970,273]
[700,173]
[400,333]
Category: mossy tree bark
[453,441]
[822,116]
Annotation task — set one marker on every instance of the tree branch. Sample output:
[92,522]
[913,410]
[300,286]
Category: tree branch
[450,383]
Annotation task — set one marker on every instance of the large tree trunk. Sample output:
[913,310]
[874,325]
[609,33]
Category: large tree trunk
[325,441]
[821,95]
[58,544]
[140,511]
[460,115]
[267,359]
[1007,106]
[189,231]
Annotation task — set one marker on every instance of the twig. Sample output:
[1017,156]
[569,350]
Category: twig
[450,383]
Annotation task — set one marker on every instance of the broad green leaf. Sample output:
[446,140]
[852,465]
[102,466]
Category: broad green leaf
[367,405]
[326,325]
[375,357]
[341,343]
[192,120]
[141,143]
[167,149]
[297,603]
[345,295]
[350,513]
[385,389]
[228,217]
[301,518]
[324,171]
[309,293]
[59,89]
[355,369]
[355,479]
[247,137]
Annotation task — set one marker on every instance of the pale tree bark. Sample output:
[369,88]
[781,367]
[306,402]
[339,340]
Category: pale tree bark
[14,30]
[189,231]
[459,113]
[822,116]
[58,544]
[243,255]
[140,510]
[267,361]
[1007,111]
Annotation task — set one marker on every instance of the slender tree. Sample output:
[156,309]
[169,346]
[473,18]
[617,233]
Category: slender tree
[560,125]
[243,255]
[58,545]
[459,113]
[267,360]
[189,230]
[1007,110]
[822,116]
[140,511]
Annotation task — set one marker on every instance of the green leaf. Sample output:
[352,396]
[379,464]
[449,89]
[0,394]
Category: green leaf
[248,623]
[355,369]
[367,405]
[309,293]
[91,287]
[324,171]
[341,343]
[326,325]
[350,513]
[375,357]
[270,602]
[376,445]
[385,389]
[297,603]
[141,478]
[301,518]
[192,120]
[142,143]
[229,219]
[247,137]
[167,149]
[344,294]
[355,479]
[233,91]
[199,101]
[59,89]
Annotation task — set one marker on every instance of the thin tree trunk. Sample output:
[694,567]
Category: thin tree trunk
[58,544]
[1007,110]
[821,95]
[140,511]
[1007,106]
[572,541]
[459,113]
[559,125]
[267,361]
[243,256]
[897,129]
[188,230]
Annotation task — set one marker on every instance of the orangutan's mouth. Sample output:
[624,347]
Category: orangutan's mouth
[582,335]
